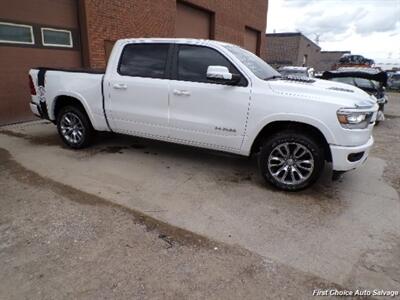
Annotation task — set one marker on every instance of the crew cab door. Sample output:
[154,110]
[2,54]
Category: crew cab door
[136,91]
[203,112]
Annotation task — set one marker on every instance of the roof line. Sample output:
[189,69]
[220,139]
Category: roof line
[336,51]
[284,34]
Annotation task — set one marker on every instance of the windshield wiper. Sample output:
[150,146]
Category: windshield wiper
[273,77]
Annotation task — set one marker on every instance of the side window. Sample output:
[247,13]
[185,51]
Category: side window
[193,62]
[144,60]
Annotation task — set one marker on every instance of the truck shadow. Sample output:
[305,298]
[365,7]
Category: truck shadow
[225,167]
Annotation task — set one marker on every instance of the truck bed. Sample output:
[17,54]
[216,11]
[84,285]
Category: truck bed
[86,85]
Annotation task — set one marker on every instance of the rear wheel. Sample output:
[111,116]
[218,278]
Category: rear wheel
[291,161]
[74,127]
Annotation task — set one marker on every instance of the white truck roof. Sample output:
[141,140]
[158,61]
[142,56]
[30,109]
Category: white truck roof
[174,40]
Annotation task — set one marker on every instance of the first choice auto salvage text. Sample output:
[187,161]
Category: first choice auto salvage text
[346,293]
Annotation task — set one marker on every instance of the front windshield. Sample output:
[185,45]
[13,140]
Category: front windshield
[364,83]
[358,82]
[348,80]
[255,64]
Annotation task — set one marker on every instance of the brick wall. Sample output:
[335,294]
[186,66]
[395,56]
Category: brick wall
[290,49]
[282,50]
[309,48]
[116,19]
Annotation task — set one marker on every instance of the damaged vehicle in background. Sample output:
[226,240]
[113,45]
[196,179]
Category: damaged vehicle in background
[370,80]
[394,81]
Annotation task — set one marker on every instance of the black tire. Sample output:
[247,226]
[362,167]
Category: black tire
[84,127]
[270,161]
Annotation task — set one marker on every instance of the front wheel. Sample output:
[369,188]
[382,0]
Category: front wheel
[74,127]
[291,161]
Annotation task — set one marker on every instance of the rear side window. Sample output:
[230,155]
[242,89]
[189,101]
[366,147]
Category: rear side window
[193,62]
[144,60]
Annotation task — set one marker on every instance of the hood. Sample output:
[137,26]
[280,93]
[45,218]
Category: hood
[341,94]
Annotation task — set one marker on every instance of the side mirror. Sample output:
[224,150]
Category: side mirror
[221,74]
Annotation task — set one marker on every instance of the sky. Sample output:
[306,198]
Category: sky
[367,27]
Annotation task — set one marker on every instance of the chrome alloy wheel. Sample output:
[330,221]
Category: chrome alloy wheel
[291,163]
[72,128]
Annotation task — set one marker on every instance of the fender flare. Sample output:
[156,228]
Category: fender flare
[74,95]
[287,117]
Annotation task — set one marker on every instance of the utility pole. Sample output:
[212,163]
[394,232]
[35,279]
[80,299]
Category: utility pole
[317,35]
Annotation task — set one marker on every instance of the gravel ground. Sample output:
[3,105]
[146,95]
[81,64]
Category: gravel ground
[60,243]
[387,141]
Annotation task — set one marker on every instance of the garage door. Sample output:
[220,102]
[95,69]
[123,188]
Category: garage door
[251,40]
[43,33]
[192,22]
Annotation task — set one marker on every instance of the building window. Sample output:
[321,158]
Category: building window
[16,33]
[56,37]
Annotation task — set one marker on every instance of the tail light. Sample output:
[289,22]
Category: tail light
[32,86]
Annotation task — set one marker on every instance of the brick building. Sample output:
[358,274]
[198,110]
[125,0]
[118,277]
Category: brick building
[295,49]
[81,33]
[291,48]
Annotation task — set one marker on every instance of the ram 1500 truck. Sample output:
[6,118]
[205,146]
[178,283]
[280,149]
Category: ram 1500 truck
[212,95]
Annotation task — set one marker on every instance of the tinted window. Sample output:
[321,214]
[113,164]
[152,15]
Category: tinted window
[144,60]
[193,62]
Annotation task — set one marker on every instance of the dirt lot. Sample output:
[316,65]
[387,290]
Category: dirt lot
[135,219]
[387,138]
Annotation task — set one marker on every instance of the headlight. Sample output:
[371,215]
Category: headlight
[381,100]
[354,119]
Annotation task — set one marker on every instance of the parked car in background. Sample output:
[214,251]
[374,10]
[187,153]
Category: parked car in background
[353,60]
[296,71]
[213,95]
[370,80]
[394,81]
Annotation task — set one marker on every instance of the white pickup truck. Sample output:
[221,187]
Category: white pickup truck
[213,95]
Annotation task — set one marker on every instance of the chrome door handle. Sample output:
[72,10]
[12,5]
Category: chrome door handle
[181,93]
[120,86]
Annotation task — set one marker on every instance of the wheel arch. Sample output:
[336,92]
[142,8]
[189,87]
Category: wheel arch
[277,126]
[67,100]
